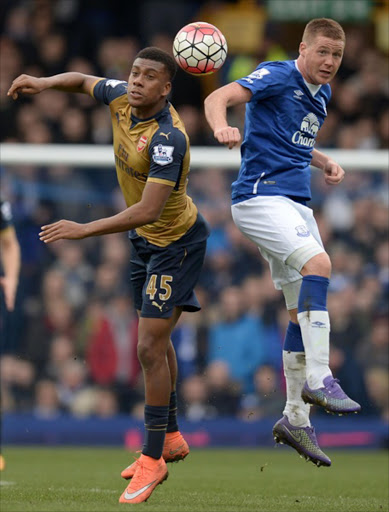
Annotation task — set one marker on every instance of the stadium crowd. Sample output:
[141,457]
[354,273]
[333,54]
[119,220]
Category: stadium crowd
[71,342]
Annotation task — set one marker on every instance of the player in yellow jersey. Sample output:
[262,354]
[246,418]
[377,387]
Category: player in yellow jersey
[167,232]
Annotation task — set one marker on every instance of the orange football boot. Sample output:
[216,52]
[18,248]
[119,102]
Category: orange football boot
[175,448]
[148,474]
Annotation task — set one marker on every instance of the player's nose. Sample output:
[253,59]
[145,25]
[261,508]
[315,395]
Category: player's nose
[329,62]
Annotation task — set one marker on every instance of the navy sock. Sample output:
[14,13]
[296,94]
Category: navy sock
[293,339]
[172,425]
[156,419]
[313,294]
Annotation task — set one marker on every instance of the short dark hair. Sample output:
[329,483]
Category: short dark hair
[158,55]
[323,27]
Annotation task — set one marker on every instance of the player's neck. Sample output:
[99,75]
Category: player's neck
[299,63]
[148,112]
[301,68]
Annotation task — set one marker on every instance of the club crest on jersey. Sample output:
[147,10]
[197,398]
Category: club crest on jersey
[302,231]
[258,74]
[113,83]
[309,125]
[141,143]
[163,154]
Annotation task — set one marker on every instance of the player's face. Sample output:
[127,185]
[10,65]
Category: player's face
[321,59]
[148,86]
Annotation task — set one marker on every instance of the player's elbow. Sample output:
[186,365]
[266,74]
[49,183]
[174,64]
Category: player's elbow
[151,214]
[209,99]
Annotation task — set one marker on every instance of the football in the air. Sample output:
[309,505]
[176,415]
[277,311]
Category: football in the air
[200,48]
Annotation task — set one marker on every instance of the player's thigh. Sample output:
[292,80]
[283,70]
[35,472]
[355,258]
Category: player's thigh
[172,274]
[138,276]
[313,245]
[276,224]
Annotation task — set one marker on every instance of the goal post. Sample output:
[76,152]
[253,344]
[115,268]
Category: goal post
[101,156]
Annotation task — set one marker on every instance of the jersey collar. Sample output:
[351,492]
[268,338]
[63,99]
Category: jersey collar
[313,89]
[136,120]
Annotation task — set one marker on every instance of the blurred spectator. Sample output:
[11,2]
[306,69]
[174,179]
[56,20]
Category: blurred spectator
[62,350]
[377,380]
[74,127]
[71,383]
[77,273]
[106,403]
[374,351]
[196,405]
[237,339]
[267,400]
[47,406]
[224,393]
[17,380]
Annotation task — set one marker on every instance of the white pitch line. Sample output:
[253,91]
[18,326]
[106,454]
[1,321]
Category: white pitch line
[78,489]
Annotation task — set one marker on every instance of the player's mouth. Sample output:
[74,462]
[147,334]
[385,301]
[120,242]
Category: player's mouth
[326,74]
[135,94]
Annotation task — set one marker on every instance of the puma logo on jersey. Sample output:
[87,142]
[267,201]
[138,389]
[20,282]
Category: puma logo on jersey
[159,306]
[165,134]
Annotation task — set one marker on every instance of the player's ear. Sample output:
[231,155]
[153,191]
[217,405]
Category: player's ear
[302,47]
[167,88]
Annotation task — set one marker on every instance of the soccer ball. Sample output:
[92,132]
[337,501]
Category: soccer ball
[200,48]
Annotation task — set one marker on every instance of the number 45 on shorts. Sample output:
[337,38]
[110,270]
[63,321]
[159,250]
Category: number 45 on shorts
[165,287]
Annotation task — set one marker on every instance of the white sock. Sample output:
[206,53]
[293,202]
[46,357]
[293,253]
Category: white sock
[295,410]
[315,331]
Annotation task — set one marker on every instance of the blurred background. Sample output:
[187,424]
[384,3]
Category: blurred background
[68,351]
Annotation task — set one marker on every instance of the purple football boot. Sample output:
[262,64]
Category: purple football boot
[302,439]
[331,397]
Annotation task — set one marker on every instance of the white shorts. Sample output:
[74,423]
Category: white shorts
[280,227]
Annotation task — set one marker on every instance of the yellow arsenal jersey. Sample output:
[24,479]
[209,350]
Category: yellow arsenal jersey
[154,149]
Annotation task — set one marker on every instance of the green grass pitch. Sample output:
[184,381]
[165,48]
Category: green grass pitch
[236,480]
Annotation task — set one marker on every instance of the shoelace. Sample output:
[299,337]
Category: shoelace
[336,389]
[138,472]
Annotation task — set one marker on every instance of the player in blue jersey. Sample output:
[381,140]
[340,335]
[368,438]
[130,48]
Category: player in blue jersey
[167,233]
[286,104]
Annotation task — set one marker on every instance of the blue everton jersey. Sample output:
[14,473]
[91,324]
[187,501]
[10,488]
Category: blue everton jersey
[281,124]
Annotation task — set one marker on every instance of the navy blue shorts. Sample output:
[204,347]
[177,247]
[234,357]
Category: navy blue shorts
[165,277]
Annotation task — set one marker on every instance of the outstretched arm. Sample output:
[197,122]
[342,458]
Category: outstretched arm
[215,106]
[68,82]
[333,172]
[146,211]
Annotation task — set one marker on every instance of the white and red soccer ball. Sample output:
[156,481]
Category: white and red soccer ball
[200,48]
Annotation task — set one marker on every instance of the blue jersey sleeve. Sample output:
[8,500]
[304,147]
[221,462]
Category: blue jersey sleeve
[268,79]
[167,151]
[106,90]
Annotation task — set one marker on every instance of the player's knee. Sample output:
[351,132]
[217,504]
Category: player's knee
[150,352]
[318,265]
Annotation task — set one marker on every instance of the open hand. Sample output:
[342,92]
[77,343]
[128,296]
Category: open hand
[63,229]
